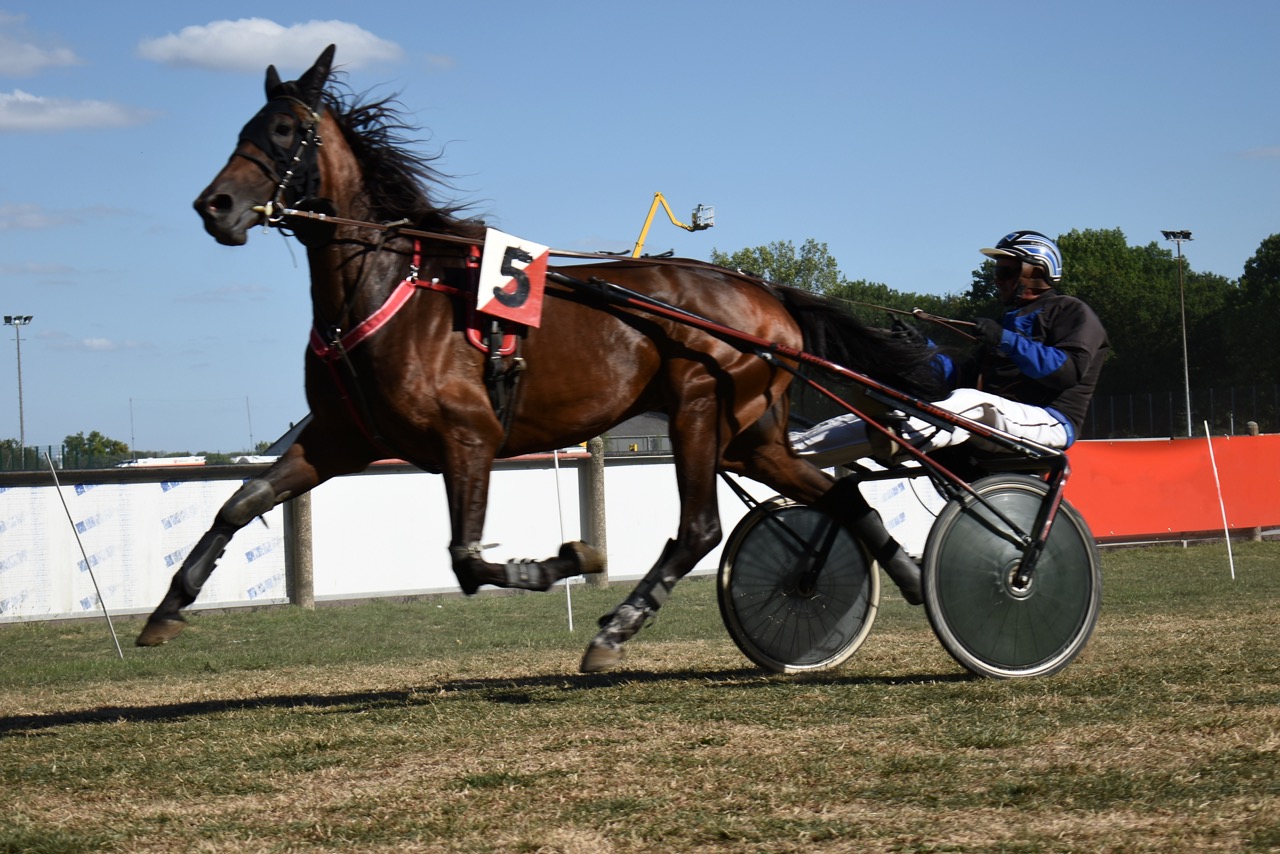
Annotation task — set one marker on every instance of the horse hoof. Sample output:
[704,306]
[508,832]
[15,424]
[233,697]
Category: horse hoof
[601,656]
[160,631]
[467,581]
[587,558]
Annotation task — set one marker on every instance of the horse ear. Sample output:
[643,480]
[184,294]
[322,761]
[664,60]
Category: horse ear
[273,81]
[311,84]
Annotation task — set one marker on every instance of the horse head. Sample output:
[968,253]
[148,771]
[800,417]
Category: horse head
[276,160]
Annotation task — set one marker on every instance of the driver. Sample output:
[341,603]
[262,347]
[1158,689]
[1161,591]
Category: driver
[1038,367]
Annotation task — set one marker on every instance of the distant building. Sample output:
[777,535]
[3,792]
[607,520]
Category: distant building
[162,461]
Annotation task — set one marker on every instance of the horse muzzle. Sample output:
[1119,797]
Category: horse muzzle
[227,218]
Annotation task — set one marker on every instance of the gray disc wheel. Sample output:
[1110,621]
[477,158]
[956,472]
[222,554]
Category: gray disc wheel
[796,591]
[982,618]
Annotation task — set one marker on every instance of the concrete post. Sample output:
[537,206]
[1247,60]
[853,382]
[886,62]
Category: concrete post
[299,581]
[593,508]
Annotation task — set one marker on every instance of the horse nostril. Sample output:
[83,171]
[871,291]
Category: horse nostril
[219,203]
[214,204]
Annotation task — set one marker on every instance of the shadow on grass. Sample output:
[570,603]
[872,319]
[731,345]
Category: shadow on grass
[495,690]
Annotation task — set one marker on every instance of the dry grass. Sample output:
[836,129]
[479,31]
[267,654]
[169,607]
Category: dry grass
[463,726]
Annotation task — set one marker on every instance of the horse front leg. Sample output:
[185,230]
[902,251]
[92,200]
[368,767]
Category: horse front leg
[467,487]
[290,476]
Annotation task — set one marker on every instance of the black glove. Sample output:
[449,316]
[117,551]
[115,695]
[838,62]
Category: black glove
[907,334]
[988,332]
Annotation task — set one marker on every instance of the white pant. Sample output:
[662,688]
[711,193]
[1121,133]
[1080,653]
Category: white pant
[843,439]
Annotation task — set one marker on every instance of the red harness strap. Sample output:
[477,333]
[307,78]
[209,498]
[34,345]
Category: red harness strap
[482,341]
[333,350]
[330,351]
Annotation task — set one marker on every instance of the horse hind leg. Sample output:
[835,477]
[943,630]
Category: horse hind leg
[698,533]
[605,651]
[252,499]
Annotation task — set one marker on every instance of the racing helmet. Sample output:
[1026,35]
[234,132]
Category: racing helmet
[1033,248]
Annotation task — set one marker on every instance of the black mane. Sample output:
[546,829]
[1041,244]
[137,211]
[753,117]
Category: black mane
[397,180]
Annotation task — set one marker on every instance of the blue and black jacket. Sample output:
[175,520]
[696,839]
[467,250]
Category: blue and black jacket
[1050,356]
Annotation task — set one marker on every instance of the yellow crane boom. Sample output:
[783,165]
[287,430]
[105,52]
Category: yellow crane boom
[703,217]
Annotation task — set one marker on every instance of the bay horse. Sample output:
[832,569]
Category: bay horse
[406,382]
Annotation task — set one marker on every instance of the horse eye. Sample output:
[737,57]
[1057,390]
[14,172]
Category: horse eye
[283,128]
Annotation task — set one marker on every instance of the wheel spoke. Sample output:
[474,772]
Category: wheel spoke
[784,615]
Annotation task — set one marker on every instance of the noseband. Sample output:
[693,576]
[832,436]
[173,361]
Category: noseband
[295,170]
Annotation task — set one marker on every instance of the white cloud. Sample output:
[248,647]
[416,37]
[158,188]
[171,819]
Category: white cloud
[31,217]
[250,44]
[228,294]
[63,342]
[1265,153]
[440,62]
[22,112]
[21,58]
[33,268]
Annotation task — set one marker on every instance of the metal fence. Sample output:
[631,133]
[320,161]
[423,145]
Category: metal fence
[33,459]
[1228,410]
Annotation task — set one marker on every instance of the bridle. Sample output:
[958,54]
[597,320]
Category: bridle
[295,171]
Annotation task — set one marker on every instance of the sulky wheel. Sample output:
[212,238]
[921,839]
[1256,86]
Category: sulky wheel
[981,616]
[797,592]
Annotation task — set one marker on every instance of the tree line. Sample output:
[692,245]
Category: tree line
[95,450]
[1232,339]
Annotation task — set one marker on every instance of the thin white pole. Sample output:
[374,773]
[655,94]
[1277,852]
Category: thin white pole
[1221,504]
[84,555]
[249,414]
[568,582]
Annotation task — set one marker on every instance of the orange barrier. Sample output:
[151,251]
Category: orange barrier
[1163,487]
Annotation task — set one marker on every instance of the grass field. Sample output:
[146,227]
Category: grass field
[462,725]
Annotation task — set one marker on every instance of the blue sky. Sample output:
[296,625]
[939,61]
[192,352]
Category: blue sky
[903,135]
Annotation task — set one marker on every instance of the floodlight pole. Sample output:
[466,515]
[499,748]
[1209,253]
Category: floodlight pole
[1177,237]
[17,321]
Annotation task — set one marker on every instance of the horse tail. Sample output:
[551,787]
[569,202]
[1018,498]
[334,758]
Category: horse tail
[831,333]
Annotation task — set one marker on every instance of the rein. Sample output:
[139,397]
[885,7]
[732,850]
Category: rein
[921,314]
[276,219]
[276,215]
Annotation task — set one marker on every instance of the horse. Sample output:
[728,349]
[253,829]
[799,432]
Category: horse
[408,383]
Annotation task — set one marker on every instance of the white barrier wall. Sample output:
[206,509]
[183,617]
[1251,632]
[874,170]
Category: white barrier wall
[384,532]
[135,536]
[389,533]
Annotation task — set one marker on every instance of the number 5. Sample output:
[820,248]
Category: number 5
[517,299]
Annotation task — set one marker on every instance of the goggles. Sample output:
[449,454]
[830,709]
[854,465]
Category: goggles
[1008,273]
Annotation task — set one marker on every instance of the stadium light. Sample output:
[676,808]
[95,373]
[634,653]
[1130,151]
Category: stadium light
[17,321]
[1177,237]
